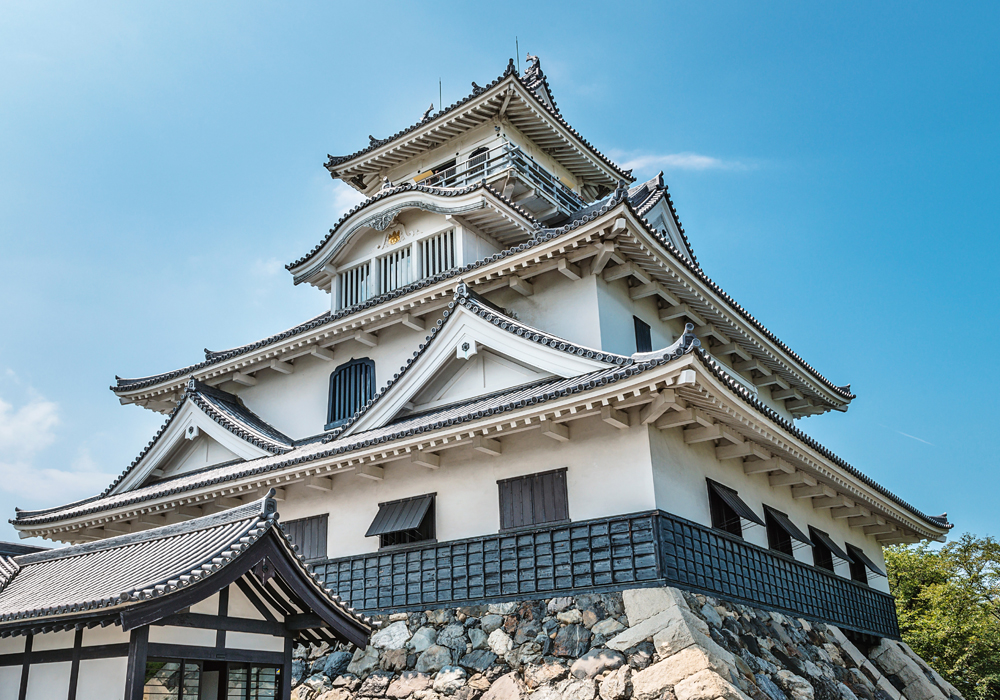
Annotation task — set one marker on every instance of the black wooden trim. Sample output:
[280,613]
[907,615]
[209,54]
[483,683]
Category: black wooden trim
[135,677]
[286,671]
[22,692]
[74,671]
[183,651]
[102,651]
[255,593]
[220,634]
[223,624]
[307,621]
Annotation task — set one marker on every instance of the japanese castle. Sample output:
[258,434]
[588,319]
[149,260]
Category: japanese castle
[525,386]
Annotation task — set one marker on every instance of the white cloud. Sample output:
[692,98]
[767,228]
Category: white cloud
[675,161]
[25,432]
[345,198]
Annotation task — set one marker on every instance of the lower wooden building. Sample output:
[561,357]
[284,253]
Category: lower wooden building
[205,609]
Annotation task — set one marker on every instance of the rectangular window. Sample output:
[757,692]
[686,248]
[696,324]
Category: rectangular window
[253,682]
[353,286]
[728,510]
[533,500]
[777,538]
[861,565]
[822,555]
[310,535]
[643,341]
[172,680]
[405,521]
[394,270]
[437,253]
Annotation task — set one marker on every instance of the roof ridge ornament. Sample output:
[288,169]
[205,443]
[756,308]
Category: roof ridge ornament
[427,113]
[511,69]
[477,89]
[533,72]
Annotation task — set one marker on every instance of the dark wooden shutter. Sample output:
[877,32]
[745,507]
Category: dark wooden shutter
[351,386]
[310,535]
[533,499]
[643,340]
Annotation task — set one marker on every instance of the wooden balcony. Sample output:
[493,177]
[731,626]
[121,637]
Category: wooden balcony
[514,173]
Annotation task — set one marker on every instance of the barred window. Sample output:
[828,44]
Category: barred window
[437,253]
[643,341]
[352,385]
[353,286]
[394,270]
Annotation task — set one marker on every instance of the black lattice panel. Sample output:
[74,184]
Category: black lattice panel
[700,558]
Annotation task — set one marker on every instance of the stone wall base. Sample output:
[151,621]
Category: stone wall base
[642,644]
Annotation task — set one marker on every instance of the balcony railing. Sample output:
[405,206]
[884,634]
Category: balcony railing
[651,548]
[505,160]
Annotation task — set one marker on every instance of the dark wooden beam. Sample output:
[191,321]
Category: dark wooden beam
[223,624]
[135,677]
[307,621]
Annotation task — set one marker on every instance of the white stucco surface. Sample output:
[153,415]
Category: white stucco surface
[240,605]
[48,681]
[53,640]
[102,679]
[208,606]
[258,642]
[608,473]
[97,636]
[182,635]
[10,682]
[12,645]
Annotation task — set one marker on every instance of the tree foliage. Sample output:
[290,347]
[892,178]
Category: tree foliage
[948,600]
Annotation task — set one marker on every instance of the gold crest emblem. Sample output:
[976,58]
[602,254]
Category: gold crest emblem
[394,238]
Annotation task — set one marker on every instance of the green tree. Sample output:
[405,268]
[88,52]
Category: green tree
[948,600]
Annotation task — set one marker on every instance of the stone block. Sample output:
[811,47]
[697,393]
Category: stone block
[407,684]
[433,659]
[500,642]
[393,636]
[572,641]
[506,687]
[615,685]
[548,671]
[650,683]
[478,638]
[488,623]
[570,617]
[797,687]
[643,603]
[708,685]
[607,627]
[375,685]
[596,662]
[557,605]
[449,679]
[478,660]
[682,632]
[364,661]
[576,689]
[650,626]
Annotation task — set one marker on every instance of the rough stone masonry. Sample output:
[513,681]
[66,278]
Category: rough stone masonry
[646,644]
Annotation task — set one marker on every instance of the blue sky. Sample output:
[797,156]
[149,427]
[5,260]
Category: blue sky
[835,167]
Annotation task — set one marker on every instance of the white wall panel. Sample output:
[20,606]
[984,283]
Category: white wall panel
[258,642]
[48,681]
[182,635]
[10,682]
[53,640]
[97,636]
[102,679]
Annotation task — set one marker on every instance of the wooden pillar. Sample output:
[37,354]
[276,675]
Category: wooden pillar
[74,671]
[25,668]
[286,670]
[135,678]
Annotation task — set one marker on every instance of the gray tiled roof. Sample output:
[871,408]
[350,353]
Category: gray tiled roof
[113,574]
[511,71]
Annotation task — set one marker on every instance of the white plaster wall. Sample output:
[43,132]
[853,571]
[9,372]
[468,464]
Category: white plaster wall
[10,682]
[53,640]
[96,636]
[182,635]
[679,474]
[617,329]
[240,606]
[296,403]
[49,681]
[102,679]
[563,307]
[12,645]
[199,453]
[258,642]
[208,606]
[608,473]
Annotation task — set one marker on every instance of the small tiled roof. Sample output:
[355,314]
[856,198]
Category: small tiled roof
[410,187]
[111,575]
[531,85]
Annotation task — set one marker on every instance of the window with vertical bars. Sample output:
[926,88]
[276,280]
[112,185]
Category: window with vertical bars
[352,385]
[309,534]
[643,341]
[777,538]
[533,499]
[394,270]
[437,253]
[859,571]
[476,166]
[822,554]
[253,682]
[172,680]
[353,286]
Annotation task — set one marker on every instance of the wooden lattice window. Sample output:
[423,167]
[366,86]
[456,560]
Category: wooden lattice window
[352,385]
[354,286]
[394,270]
[437,253]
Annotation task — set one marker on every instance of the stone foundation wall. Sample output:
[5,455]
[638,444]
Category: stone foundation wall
[646,644]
